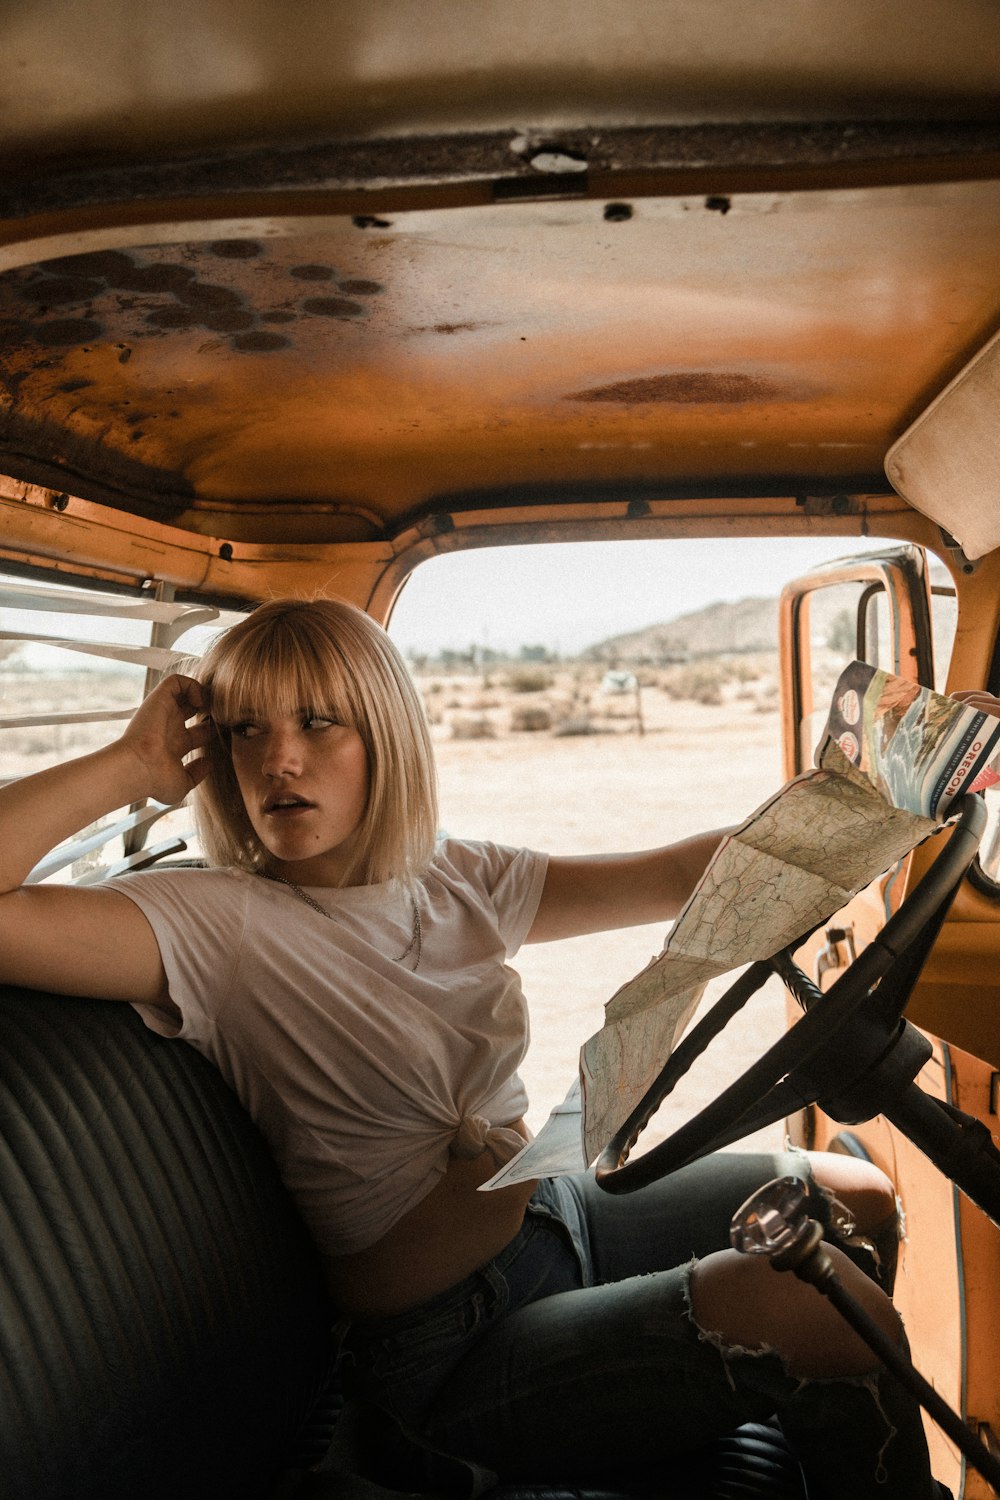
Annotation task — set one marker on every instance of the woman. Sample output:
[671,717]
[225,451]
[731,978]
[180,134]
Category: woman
[349,978]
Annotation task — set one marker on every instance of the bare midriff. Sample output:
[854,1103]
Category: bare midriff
[448,1235]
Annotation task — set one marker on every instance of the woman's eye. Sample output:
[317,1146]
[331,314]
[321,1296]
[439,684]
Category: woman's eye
[318,721]
[246,730]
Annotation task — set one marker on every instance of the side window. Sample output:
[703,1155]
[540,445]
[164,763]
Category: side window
[74,665]
[986,871]
[877,628]
[944,620]
[836,623]
[875,608]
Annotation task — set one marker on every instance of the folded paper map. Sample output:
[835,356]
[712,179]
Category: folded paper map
[893,760]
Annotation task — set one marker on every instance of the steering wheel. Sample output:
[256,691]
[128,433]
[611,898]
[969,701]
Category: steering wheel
[851,1043]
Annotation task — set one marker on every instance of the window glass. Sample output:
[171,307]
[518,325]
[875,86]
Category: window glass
[58,701]
[988,861]
[944,621]
[830,622]
[40,681]
[876,629]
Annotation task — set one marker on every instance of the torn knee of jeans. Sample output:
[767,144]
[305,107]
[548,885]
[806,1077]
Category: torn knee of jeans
[732,1352]
[728,1350]
[876,1250]
[710,1335]
[733,1355]
[822,1202]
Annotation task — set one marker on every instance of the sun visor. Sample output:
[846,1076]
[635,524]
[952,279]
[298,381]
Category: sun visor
[947,464]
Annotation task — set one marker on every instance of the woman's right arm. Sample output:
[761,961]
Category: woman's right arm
[89,940]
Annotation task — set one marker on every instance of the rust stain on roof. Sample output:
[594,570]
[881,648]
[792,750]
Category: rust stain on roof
[689,387]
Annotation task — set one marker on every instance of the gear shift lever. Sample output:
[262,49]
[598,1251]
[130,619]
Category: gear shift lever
[774,1222]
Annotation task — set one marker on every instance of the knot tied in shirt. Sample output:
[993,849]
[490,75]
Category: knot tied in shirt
[475,1135]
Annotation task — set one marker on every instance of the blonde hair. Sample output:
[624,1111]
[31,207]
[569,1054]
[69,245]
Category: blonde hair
[322,655]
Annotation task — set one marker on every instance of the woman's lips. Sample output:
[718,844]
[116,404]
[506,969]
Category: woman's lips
[281,807]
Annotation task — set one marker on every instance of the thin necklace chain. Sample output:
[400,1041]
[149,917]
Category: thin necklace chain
[416,940]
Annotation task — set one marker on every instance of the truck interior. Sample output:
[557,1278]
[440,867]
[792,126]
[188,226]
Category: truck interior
[297,299]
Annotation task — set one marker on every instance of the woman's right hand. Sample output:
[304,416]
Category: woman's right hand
[161,736]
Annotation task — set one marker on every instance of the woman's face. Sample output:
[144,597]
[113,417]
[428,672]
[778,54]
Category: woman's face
[304,782]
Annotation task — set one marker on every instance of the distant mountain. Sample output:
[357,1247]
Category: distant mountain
[746,625]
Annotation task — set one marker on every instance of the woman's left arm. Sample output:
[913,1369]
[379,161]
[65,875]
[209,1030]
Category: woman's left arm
[594,893]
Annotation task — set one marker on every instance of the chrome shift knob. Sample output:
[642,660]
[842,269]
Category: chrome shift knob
[773,1220]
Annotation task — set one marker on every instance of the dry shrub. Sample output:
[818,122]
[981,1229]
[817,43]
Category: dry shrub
[706,680]
[530,679]
[530,717]
[576,724]
[767,699]
[473,727]
[701,682]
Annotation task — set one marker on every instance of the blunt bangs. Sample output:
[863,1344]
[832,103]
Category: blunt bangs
[323,656]
[280,668]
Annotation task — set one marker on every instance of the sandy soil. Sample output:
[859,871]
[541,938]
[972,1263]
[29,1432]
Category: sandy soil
[696,767]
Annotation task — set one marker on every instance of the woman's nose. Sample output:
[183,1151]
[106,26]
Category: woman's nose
[282,754]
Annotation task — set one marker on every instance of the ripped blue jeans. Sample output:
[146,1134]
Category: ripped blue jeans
[573,1354]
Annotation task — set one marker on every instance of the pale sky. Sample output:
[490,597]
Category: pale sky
[567,596]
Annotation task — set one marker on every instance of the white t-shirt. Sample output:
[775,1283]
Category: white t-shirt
[362,1074]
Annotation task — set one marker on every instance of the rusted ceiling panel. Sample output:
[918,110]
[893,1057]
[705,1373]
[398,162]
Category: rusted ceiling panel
[327,383]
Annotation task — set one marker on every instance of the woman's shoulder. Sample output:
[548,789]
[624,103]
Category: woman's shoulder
[205,889]
[483,864]
[472,857]
[195,875]
[501,880]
